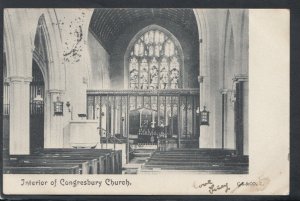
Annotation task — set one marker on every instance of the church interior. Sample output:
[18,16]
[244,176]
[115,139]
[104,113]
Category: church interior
[125,91]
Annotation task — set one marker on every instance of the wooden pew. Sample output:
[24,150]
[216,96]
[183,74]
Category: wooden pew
[101,159]
[41,165]
[104,160]
[193,163]
[202,150]
[42,158]
[200,169]
[83,164]
[41,170]
[200,160]
[114,157]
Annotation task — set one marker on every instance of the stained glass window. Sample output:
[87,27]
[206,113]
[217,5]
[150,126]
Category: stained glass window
[164,74]
[174,73]
[153,74]
[154,62]
[144,74]
[134,72]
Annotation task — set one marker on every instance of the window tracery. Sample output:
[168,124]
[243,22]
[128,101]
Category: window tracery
[154,62]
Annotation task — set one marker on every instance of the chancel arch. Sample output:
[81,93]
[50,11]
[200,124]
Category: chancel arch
[159,96]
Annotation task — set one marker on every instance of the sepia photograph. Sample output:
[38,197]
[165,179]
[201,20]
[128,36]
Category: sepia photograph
[107,96]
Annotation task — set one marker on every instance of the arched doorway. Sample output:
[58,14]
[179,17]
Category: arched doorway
[37,94]
[38,86]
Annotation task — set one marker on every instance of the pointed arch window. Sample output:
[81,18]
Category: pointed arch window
[155,61]
[134,72]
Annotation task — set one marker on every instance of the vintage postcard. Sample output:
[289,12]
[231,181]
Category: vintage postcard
[146,101]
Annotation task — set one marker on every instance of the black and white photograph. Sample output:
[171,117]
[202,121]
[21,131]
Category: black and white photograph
[132,93]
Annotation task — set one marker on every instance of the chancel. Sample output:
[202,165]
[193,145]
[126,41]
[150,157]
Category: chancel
[125,91]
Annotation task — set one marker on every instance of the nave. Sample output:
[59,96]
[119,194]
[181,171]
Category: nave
[125,91]
[103,161]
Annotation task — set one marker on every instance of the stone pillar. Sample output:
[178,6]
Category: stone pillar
[241,114]
[206,136]
[227,119]
[19,116]
[224,133]
[53,137]
[245,118]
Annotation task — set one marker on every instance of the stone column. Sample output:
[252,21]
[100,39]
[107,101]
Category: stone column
[53,123]
[224,117]
[19,116]
[245,118]
[206,136]
[227,119]
[242,115]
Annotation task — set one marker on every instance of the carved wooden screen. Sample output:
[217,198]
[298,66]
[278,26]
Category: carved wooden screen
[146,112]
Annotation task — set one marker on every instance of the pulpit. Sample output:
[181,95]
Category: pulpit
[81,134]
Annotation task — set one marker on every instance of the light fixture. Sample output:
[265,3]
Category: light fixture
[38,99]
[58,107]
[204,117]
[70,108]
[68,104]
[200,78]
[198,111]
